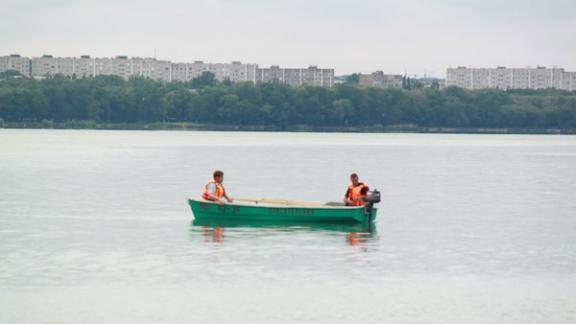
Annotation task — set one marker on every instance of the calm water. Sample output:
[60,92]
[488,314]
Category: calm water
[94,228]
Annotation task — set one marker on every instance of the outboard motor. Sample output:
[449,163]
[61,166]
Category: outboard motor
[373,197]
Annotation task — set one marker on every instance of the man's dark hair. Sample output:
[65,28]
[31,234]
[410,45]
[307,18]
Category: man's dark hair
[217,174]
[353,175]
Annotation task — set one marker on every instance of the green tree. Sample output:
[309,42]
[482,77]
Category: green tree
[207,79]
[343,111]
[353,78]
[10,74]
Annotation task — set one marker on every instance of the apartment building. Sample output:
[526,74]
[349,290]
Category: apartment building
[510,78]
[150,68]
[15,62]
[69,66]
[125,67]
[120,66]
[235,71]
[44,65]
[85,66]
[312,76]
[380,80]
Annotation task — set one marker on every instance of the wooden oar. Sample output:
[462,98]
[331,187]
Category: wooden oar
[292,202]
[281,202]
[247,200]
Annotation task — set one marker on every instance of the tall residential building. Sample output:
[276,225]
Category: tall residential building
[126,67]
[120,66]
[15,62]
[45,65]
[514,78]
[150,68]
[85,66]
[312,76]
[235,71]
[69,66]
[380,80]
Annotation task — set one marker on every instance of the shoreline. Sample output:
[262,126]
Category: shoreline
[89,125]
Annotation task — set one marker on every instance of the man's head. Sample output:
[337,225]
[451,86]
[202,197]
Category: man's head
[354,178]
[218,176]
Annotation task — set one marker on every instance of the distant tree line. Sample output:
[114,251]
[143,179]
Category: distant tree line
[110,99]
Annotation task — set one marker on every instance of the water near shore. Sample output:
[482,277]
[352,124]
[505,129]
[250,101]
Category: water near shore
[94,228]
[92,125]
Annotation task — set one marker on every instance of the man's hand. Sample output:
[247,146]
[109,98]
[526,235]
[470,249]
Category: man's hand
[229,199]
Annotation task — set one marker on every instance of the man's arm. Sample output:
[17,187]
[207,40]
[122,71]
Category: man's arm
[215,199]
[347,201]
[226,196]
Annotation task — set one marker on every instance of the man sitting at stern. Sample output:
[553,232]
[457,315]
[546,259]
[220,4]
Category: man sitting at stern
[356,193]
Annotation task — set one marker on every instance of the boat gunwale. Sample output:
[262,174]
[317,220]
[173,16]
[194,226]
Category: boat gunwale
[270,205]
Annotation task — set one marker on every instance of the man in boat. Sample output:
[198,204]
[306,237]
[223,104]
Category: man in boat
[214,190]
[356,193]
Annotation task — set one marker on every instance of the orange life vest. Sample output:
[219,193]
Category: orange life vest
[219,190]
[355,194]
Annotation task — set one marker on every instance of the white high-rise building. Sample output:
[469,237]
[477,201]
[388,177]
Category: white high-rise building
[16,63]
[312,76]
[68,66]
[514,78]
[150,68]
[43,66]
[125,67]
[120,66]
[235,71]
[84,66]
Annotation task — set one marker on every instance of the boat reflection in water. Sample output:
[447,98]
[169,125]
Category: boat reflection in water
[215,230]
[249,218]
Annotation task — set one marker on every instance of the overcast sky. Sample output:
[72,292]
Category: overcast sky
[417,36]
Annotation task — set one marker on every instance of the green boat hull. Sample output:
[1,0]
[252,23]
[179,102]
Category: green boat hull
[209,211]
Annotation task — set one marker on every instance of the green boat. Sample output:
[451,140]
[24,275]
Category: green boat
[281,211]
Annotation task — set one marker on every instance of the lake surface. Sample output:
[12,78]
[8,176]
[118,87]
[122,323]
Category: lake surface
[94,228]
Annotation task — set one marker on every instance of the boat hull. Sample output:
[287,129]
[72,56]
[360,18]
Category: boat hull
[210,211]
